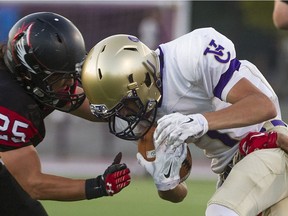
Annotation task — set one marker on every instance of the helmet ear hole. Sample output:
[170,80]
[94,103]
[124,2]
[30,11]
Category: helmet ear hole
[147,81]
[58,38]
[130,78]
[103,48]
[131,49]
[99,73]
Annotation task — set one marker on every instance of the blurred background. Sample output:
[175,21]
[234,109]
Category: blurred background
[76,147]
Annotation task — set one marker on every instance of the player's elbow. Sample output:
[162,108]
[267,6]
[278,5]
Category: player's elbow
[35,195]
[33,192]
[175,195]
[265,109]
[280,21]
[271,112]
[32,188]
[174,199]
[281,24]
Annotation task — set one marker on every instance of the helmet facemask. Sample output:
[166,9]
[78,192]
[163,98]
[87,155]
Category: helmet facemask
[130,119]
[65,100]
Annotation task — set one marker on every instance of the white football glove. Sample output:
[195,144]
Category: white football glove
[176,128]
[166,167]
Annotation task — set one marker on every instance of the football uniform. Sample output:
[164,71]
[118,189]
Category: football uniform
[21,116]
[21,124]
[198,70]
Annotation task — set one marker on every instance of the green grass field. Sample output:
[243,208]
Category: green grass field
[140,199]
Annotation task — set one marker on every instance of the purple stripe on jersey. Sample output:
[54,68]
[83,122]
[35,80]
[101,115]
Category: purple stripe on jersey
[224,138]
[225,77]
[275,122]
[161,59]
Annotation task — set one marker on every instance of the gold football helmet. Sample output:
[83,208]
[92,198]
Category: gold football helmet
[121,79]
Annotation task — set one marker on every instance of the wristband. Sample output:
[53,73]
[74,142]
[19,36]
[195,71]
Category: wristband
[94,188]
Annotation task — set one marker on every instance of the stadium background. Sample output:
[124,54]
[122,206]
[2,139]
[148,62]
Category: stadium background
[75,147]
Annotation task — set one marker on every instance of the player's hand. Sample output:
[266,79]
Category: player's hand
[115,178]
[166,167]
[257,140]
[176,128]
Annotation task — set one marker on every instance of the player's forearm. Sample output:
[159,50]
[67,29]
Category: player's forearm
[175,195]
[250,110]
[49,187]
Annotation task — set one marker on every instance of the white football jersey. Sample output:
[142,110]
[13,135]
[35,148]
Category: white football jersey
[198,70]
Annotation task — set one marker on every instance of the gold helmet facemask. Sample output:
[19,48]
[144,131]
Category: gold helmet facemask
[121,72]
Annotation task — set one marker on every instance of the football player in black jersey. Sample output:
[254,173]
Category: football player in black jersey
[39,72]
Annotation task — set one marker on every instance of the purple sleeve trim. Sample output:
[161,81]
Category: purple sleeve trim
[224,138]
[225,77]
[275,122]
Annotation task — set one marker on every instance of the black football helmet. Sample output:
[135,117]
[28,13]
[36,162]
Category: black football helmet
[45,46]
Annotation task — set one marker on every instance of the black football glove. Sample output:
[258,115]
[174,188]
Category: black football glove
[115,178]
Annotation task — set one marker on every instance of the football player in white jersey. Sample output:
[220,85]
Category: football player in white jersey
[196,91]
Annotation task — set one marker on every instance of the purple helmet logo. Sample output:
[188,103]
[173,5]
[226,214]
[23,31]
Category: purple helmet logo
[134,39]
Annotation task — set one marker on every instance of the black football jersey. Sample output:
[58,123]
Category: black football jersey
[21,116]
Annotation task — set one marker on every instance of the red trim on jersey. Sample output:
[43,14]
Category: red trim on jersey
[15,130]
